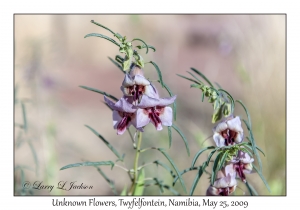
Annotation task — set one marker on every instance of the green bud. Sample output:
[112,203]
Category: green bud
[217,114]
[227,109]
[129,44]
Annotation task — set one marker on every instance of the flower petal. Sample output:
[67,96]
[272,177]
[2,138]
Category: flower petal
[245,157]
[128,81]
[140,80]
[235,124]
[147,102]
[166,101]
[124,106]
[212,191]
[109,103]
[116,118]
[219,140]
[166,116]
[141,119]
[220,127]
[151,91]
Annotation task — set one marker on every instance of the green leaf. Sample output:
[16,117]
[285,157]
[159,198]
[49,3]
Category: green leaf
[251,189]
[199,153]
[88,164]
[161,186]
[174,166]
[259,149]
[262,177]
[139,59]
[144,46]
[110,182]
[170,136]
[183,138]
[139,188]
[210,156]
[253,144]
[196,180]
[106,142]
[202,75]
[24,117]
[124,191]
[174,103]
[98,24]
[192,80]
[143,43]
[99,91]
[126,63]
[183,172]
[247,113]
[231,99]
[215,167]
[222,161]
[116,64]
[159,74]
[157,162]
[194,77]
[102,36]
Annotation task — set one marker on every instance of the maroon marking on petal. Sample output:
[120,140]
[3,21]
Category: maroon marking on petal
[154,116]
[229,136]
[224,191]
[125,120]
[239,169]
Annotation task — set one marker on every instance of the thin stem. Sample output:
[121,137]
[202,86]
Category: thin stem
[125,169]
[136,162]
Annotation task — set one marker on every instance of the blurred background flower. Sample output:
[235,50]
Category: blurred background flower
[245,54]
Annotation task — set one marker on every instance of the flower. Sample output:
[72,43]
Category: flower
[225,183]
[228,132]
[155,111]
[123,114]
[138,85]
[242,164]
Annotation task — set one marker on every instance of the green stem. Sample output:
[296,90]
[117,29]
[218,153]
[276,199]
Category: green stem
[136,162]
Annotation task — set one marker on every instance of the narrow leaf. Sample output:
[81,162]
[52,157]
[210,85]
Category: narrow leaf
[183,138]
[215,168]
[106,142]
[170,136]
[202,75]
[174,166]
[251,189]
[222,161]
[194,76]
[247,113]
[99,91]
[88,164]
[192,80]
[262,177]
[199,153]
[183,172]
[259,149]
[24,117]
[143,43]
[159,74]
[196,180]
[144,46]
[210,156]
[116,64]
[98,24]
[110,182]
[157,162]
[104,37]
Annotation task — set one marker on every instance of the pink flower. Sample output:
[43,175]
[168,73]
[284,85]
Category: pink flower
[138,85]
[242,164]
[155,111]
[124,114]
[228,132]
[225,183]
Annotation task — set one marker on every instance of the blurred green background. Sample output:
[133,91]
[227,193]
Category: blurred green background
[245,54]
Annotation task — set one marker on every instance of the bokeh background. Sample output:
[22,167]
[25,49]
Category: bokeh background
[245,54]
